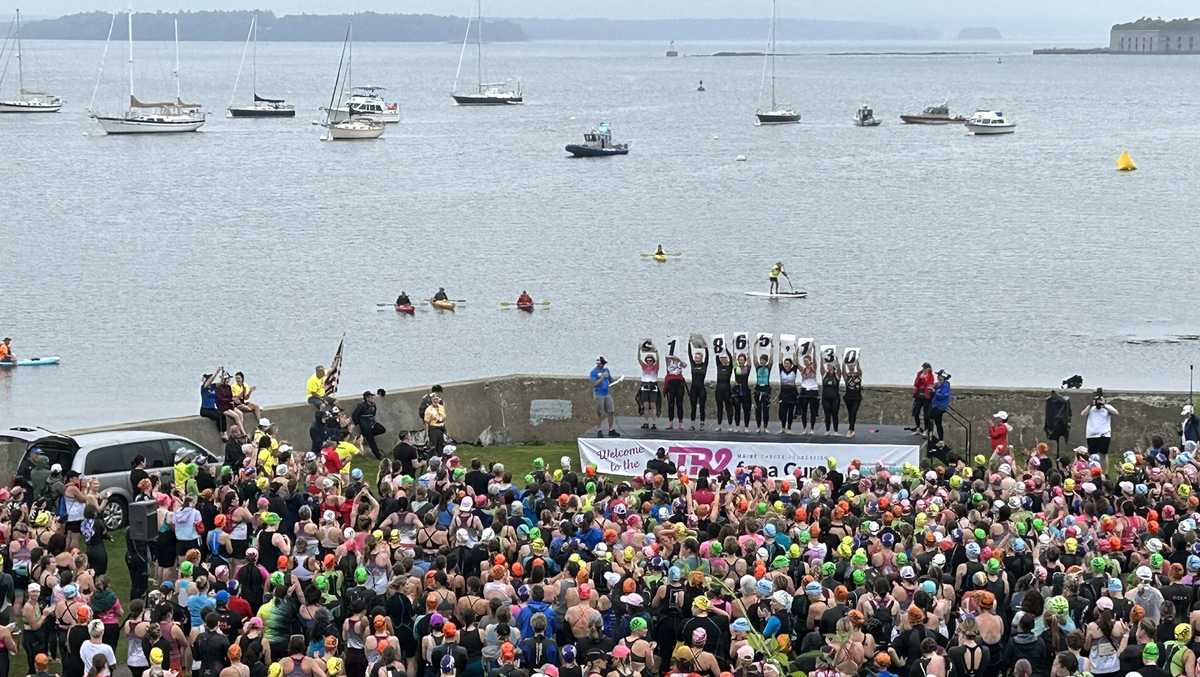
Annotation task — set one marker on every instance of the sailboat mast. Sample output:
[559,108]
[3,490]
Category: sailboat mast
[254,56]
[479,43]
[178,84]
[129,27]
[20,66]
[774,5]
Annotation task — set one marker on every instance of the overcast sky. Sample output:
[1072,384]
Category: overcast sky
[1083,18]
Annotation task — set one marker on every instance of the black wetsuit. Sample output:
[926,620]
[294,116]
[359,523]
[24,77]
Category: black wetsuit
[724,392]
[831,400]
[698,391]
[853,398]
[787,397]
[741,396]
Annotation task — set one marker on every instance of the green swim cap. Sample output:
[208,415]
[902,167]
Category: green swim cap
[590,488]
[762,507]
[993,566]
[360,575]
[980,534]
[860,559]
[322,583]
[226,471]
[406,479]
[529,478]
[535,533]
[460,473]
[637,623]
[715,548]
[1156,561]
[828,569]
[1099,564]
[538,463]
[805,537]
[192,469]
[272,519]
[1038,523]
[976,497]
[901,559]
[277,579]
[780,562]
[185,569]
[858,576]
[1150,651]
[1058,604]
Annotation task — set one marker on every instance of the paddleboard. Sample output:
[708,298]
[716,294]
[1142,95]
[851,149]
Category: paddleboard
[406,308]
[32,362]
[442,305]
[780,295]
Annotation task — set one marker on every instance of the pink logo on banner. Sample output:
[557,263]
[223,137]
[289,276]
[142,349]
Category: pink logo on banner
[691,459]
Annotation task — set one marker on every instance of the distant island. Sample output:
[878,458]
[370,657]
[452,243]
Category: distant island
[714,29]
[1145,36]
[980,33]
[231,27]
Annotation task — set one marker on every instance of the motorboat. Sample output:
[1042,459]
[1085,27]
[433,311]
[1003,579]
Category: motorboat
[261,106]
[776,114]
[933,115]
[153,117]
[865,117]
[598,143]
[367,101]
[352,127]
[486,93]
[27,100]
[989,123]
[671,51]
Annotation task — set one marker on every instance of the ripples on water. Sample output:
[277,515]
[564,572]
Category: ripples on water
[1009,261]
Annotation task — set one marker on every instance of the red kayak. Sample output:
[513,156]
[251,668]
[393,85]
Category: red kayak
[405,308]
[527,307]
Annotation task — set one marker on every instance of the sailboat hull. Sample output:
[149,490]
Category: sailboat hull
[254,112]
[778,118]
[487,100]
[28,107]
[113,125]
[358,130]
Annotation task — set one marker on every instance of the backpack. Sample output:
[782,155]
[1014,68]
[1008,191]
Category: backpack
[879,623]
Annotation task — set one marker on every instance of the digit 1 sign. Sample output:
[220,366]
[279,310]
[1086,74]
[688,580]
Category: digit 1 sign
[673,345]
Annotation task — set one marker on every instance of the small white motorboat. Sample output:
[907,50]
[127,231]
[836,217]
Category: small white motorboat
[989,123]
[865,117]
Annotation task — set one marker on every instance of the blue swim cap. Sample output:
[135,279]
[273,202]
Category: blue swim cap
[764,587]
[222,597]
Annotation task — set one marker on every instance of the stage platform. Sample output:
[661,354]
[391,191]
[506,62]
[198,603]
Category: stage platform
[631,428]
[781,454]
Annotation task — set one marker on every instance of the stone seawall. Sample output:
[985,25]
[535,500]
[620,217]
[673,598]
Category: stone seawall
[528,408]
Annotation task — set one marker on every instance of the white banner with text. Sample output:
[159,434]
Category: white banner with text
[628,457]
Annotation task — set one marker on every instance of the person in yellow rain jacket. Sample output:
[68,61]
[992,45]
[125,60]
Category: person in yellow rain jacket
[315,390]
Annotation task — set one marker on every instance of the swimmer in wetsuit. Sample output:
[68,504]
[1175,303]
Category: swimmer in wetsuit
[698,391]
[675,384]
[724,390]
[762,393]
[403,300]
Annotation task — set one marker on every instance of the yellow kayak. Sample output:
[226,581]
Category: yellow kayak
[661,258]
[442,305]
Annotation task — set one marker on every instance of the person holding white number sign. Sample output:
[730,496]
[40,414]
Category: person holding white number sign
[762,393]
[742,398]
[698,391]
[831,396]
[724,390]
[648,392]
[788,395]
[810,395]
[852,374]
[675,384]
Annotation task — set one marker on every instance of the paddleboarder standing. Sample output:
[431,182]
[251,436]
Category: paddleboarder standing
[776,271]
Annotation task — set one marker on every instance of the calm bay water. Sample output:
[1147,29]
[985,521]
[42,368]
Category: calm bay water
[144,262]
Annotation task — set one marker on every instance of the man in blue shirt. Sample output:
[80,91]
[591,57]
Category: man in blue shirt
[601,379]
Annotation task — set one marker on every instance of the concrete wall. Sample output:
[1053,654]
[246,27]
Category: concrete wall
[527,408]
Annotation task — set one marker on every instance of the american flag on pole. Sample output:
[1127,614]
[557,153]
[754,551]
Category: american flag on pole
[334,374]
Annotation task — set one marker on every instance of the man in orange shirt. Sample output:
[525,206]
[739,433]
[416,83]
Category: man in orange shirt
[6,350]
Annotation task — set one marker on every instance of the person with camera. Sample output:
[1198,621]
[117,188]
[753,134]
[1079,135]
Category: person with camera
[1099,416]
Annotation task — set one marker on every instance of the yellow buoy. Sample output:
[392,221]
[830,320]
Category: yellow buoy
[1125,163]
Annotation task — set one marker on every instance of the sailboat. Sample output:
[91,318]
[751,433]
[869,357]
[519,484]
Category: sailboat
[261,107]
[153,117]
[27,101]
[776,114]
[486,94]
[354,126]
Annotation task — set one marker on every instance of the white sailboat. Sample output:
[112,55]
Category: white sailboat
[27,101]
[776,114]
[486,93]
[153,117]
[353,127]
[259,107]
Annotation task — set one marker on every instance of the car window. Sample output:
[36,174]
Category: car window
[105,460]
[182,450]
[153,451]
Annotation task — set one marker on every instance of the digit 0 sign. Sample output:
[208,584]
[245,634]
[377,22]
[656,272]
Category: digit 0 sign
[850,357]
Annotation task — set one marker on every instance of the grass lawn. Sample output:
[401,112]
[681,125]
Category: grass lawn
[516,458]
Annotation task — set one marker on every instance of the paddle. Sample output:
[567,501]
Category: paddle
[785,276]
[506,305]
[664,254]
[450,300]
